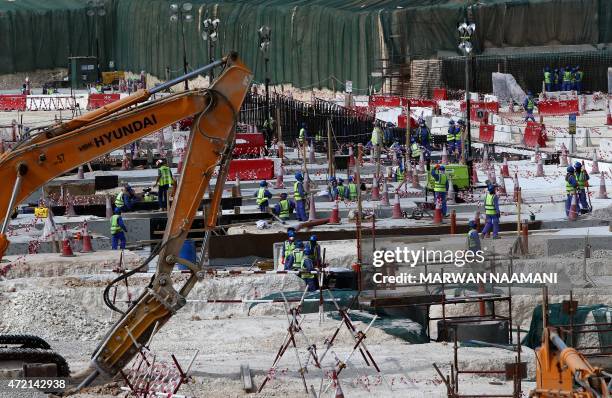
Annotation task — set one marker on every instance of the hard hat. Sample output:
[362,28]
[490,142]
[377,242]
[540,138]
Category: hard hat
[350,178]
[299,244]
[570,169]
[263,183]
[451,122]
[159,162]
[117,210]
[332,178]
[577,165]
[313,238]
[472,224]
[307,251]
[340,180]
[461,121]
[283,195]
[491,188]
[298,176]
[442,168]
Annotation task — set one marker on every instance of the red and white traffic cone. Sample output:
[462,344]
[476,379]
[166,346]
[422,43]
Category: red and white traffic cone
[336,382]
[415,178]
[485,158]
[444,155]
[109,207]
[516,187]
[179,166]
[573,211]
[397,209]
[422,163]
[608,115]
[280,184]
[125,162]
[437,218]
[477,220]
[595,168]
[375,189]
[236,192]
[505,170]
[501,185]
[87,246]
[70,209]
[351,155]
[385,195]
[540,168]
[312,212]
[66,247]
[563,159]
[603,194]
[474,176]
[81,173]
[450,195]
[335,214]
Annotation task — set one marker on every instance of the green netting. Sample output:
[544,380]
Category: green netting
[556,316]
[604,315]
[315,43]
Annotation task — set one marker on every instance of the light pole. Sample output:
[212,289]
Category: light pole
[466,30]
[209,34]
[264,45]
[95,8]
[182,14]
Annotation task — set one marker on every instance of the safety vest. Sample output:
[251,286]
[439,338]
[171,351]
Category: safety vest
[41,212]
[490,205]
[567,76]
[352,188]
[579,75]
[556,78]
[313,251]
[569,187]
[451,134]
[581,179]
[342,191]
[416,151]
[547,77]
[473,240]
[261,198]
[148,197]
[289,248]
[284,209]
[375,136]
[302,134]
[458,133]
[399,175]
[165,176]
[530,104]
[318,137]
[298,264]
[119,200]
[440,184]
[296,192]
[115,228]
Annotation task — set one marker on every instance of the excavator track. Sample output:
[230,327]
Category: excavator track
[23,341]
[36,355]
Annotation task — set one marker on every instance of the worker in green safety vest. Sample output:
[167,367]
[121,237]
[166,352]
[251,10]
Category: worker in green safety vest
[440,186]
[125,198]
[288,247]
[473,239]
[571,187]
[315,250]
[303,137]
[352,189]
[415,151]
[164,180]
[376,141]
[567,79]
[492,212]
[300,195]
[578,78]
[547,79]
[301,261]
[284,208]
[582,181]
[148,196]
[529,104]
[117,230]
[343,192]
[262,196]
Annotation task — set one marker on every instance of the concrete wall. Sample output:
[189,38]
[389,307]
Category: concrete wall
[564,245]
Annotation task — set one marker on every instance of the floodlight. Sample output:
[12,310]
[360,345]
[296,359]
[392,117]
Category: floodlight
[187,7]
[173,18]
[188,17]
[174,8]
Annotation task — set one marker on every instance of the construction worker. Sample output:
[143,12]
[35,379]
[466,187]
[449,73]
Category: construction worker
[352,189]
[303,134]
[262,196]
[315,250]
[299,196]
[125,198]
[556,80]
[582,180]
[473,239]
[268,129]
[117,230]
[164,180]
[399,172]
[332,189]
[567,79]
[284,208]
[424,135]
[301,261]
[492,212]
[342,190]
[459,129]
[571,187]
[547,79]
[578,77]
[440,186]
[147,196]
[415,151]
[376,140]
[450,137]
[529,104]
[288,246]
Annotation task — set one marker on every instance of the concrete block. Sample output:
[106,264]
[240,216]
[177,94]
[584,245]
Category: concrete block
[570,244]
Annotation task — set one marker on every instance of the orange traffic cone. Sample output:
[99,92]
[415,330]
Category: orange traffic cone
[87,247]
[312,212]
[563,159]
[415,178]
[280,184]
[437,218]
[66,247]
[485,158]
[385,196]
[125,163]
[608,116]
[603,194]
[335,214]
[501,185]
[516,188]
[236,188]
[339,392]
[109,207]
[70,209]
[375,190]
[477,220]
[474,176]
[505,171]
[573,213]
[81,173]
[450,196]
[397,209]
[351,156]
[179,166]
[444,155]
[595,169]
[540,168]
[421,163]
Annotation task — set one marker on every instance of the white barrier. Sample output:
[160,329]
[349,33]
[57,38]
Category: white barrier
[517,134]
[583,136]
[562,139]
[605,149]
[439,122]
[502,134]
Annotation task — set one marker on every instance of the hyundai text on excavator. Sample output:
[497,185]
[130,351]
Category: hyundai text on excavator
[60,148]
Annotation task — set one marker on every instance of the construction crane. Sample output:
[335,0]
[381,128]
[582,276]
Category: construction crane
[562,371]
[61,148]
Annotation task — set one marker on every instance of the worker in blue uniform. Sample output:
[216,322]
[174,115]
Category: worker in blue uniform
[263,196]
[556,80]
[284,208]
[567,78]
[571,188]
[302,262]
[440,186]
[315,250]
[424,135]
[342,190]
[288,247]
[299,196]
[473,239]
[118,230]
[547,79]
[582,182]
[578,78]
[529,104]
[492,212]
[332,189]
